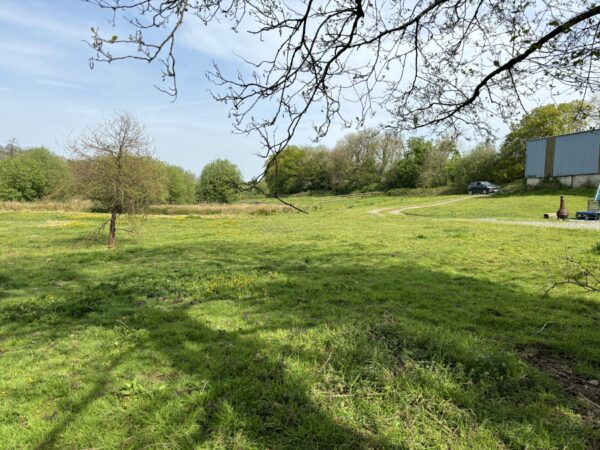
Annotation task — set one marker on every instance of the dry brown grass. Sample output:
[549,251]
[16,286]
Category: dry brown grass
[209,209]
[47,205]
[202,209]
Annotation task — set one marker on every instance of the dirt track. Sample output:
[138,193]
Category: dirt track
[398,212]
[574,224]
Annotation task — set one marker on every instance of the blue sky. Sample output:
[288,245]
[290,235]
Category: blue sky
[48,92]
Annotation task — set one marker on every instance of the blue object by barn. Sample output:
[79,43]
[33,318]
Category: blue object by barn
[593,209]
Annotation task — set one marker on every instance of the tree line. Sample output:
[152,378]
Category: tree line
[37,173]
[375,160]
[369,160]
[112,165]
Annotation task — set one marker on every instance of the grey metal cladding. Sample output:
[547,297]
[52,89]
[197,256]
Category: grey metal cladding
[536,158]
[576,154]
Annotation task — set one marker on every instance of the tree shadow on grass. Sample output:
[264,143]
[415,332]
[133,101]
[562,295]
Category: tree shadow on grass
[228,390]
[222,386]
[241,395]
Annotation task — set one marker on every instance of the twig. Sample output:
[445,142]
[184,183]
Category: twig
[100,230]
[438,421]
[591,402]
[358,394]
[543,327]
[585,275]
[326,361]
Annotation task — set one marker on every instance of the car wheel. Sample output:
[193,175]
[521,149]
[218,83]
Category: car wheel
[470,192]
[485,192]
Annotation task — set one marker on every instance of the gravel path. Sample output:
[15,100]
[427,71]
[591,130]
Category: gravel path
[399,212]
[550,223]
[574,224]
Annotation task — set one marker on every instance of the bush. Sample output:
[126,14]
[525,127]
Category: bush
[181,185]
[34,174]
[218,182]
[477,165]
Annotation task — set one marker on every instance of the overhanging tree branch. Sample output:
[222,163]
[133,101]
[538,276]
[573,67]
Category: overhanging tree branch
[419,63]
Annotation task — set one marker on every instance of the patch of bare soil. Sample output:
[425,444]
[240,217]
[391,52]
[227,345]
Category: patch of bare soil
[562,369]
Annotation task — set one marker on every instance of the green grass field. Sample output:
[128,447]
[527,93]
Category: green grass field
[529,207]
[336,329]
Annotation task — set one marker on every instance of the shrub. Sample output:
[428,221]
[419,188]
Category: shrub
[181,185]
[478,164]
[218,181]
[34,174]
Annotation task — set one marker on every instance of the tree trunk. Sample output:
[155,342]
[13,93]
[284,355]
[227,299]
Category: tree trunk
[112,231]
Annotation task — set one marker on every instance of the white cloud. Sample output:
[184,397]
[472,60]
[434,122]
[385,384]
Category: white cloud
[37,42]
[58,83]
[28,57]
[22,48]
[219,41]
[179,105]
[32,20]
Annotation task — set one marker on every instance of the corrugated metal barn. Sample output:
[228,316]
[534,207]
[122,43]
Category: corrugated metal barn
[572,158]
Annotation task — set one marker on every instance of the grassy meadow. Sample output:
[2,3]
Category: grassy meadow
[336,329]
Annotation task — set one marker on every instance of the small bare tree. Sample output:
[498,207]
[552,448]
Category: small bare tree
[115,168]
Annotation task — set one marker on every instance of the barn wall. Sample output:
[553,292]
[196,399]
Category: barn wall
[576,154]
[536,157]
[571,181]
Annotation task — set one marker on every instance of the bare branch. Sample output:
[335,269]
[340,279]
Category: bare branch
[440,64]
[583,274]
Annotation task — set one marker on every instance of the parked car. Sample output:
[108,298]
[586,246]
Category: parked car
[482,187]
